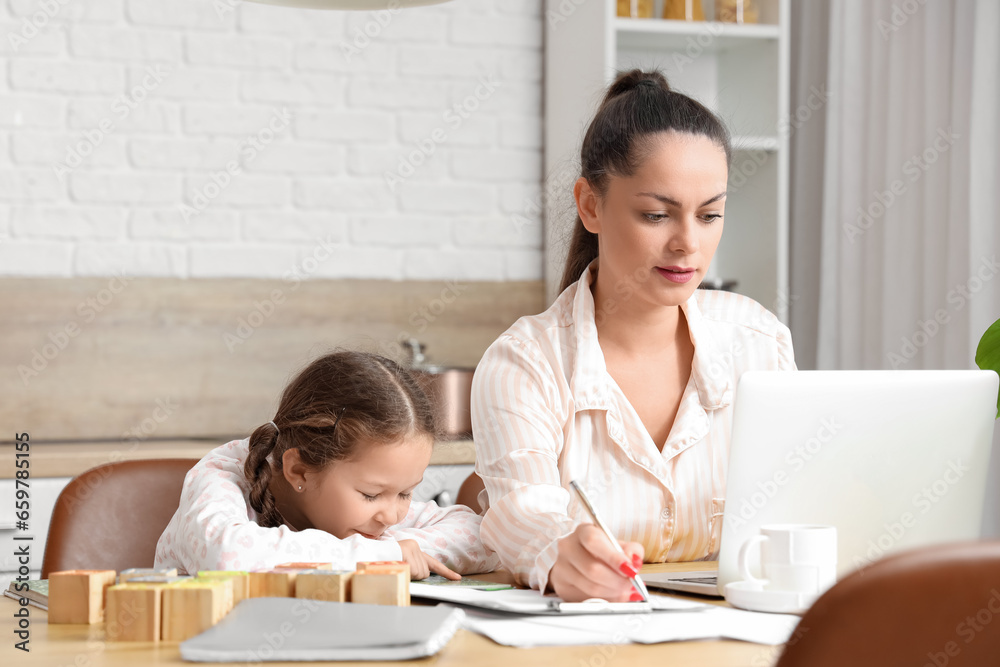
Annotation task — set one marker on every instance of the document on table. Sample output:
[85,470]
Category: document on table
[705,622]
[526,601]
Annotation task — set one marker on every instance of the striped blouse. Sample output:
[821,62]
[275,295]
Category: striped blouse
[546,411]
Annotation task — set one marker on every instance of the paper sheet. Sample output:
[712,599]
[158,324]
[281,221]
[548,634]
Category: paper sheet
[705,622]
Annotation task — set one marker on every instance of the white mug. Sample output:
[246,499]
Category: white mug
[795,557]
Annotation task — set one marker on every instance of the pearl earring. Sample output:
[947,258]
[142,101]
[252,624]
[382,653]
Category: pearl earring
[300,487]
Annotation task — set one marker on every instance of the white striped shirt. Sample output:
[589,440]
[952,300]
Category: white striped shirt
[546,411]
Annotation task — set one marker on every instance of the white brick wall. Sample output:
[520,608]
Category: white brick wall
[412,149]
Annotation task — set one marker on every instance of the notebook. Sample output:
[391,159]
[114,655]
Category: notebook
[286,629]
[527,601]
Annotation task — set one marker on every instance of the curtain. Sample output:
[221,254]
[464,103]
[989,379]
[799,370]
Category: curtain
[895,206]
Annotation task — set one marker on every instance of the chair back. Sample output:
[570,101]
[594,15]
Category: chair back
[937,605]
[110,517]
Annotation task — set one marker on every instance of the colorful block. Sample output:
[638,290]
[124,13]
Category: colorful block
[382,582]
[127,575]
[273,584]
[331,585]
[132,613]
[240,580]
[304,566]
[77,596]
[193,606]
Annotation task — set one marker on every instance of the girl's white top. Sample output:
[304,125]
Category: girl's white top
[214,528]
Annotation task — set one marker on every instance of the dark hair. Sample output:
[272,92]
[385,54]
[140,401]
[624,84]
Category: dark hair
[335,403]
[637,104]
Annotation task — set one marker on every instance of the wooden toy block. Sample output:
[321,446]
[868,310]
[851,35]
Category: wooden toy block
[191,607]
[388,588]
[160,580]
[132,613]
[77,596]
[273,583]
[383,566]
[330,585]
[126,576]
[304,566]
[240,579]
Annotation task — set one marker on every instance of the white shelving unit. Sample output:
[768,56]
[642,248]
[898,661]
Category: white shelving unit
[741,72]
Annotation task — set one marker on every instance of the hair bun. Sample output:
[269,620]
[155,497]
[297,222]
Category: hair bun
[634,79]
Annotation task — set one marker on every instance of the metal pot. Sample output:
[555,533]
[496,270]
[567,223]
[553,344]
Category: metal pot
[450,391]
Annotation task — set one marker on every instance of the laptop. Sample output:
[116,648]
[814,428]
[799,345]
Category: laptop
[893,459]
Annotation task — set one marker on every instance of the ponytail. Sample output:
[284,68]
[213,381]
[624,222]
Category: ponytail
[257,471]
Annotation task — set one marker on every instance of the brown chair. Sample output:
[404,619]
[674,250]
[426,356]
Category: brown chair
[110,517]
[934,606]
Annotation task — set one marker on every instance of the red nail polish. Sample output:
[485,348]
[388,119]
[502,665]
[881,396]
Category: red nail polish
[635,597]
[628,570]
[636,561]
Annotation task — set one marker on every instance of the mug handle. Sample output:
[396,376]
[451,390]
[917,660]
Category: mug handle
[742,558]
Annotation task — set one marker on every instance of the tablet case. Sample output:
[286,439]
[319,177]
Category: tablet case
[276,629]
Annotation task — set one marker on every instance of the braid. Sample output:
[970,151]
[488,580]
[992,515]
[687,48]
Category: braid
[257,470]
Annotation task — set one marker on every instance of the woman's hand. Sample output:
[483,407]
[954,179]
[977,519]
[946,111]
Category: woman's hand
[589,567]
[421,565]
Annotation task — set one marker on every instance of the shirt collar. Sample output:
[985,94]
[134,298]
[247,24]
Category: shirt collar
[711,367]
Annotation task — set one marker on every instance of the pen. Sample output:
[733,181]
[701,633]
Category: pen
[636,581]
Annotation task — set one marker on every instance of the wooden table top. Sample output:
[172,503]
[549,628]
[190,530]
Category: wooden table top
[66,645]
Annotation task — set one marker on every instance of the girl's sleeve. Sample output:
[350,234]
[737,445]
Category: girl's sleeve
[450,534]
[518,413]
[211,529]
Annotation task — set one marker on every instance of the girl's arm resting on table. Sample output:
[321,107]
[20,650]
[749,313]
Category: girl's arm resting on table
[211,531]
[518,419]
[449,534]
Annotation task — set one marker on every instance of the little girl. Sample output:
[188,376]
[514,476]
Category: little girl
[328,480]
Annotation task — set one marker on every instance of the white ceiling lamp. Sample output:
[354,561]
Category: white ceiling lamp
[368,5]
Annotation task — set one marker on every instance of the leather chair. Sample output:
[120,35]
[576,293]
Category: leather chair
[930,607]
[110,517]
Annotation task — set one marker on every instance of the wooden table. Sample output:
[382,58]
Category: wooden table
[84,646]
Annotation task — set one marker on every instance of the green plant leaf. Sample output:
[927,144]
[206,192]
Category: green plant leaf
[988,353]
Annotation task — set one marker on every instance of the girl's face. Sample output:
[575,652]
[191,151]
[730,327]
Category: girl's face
[368,493]
[658,228]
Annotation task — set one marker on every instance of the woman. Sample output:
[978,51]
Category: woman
[626,382]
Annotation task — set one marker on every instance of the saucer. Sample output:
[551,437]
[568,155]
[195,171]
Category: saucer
[749,595]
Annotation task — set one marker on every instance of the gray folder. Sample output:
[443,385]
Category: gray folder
[276,629]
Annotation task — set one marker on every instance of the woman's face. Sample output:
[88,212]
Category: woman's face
[658,228]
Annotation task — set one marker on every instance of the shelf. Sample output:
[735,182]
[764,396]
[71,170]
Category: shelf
[699,36]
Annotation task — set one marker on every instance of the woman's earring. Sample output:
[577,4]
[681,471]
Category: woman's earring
[300,487]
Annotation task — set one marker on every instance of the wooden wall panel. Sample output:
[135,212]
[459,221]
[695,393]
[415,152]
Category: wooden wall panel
[151,358]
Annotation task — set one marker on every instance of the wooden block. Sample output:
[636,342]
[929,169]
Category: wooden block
[133,612]
[126,576]
[240,579]
[381,588]
[331,585]
[191,607]
[273,584]
[383,566]
[160,580]
[77,596]
[304,566]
